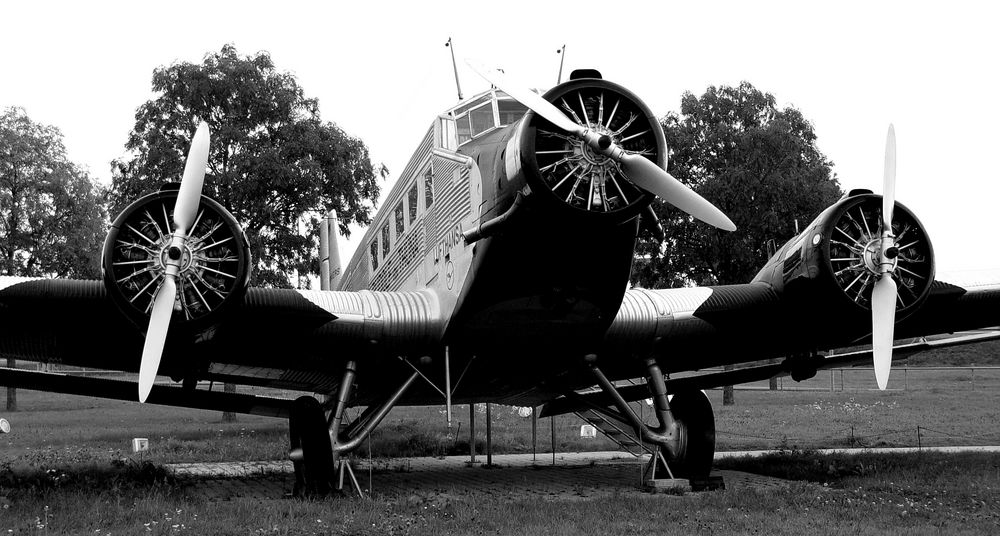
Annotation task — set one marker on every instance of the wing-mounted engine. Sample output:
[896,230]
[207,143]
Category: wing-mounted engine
[835,262]
[214,261]
[567,170]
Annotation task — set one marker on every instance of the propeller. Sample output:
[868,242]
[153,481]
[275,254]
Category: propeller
[640,170]
[884,292]
[185,212]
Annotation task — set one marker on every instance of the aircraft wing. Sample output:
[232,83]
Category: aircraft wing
[288,339]
[807,365]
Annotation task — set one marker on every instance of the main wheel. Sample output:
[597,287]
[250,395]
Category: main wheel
[696,425]
[307,431]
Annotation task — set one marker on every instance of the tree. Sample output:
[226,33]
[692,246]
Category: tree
[757,163]
[52,215]
[273,161]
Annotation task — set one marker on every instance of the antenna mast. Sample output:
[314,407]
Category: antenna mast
[455,67]
[561,51]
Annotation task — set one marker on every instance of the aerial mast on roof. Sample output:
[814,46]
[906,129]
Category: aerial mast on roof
[455,67]
[562,52]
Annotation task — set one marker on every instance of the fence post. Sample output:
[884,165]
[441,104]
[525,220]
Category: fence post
[534,433]
[489,436]
[552,422]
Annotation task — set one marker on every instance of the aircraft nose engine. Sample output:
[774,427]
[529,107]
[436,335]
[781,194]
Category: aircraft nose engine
[591,161]
[579,175]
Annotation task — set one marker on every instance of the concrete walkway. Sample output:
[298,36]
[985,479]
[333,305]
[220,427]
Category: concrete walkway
[575,475]
[571,459]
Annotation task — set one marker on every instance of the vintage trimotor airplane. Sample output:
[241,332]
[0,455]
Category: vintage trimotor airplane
[502,254]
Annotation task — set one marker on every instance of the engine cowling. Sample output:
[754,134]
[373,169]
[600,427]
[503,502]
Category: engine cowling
[836,258]
[215,270]
[566,170]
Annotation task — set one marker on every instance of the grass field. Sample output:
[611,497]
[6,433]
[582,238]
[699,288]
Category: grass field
[61,469]
[864,494]
[53,429]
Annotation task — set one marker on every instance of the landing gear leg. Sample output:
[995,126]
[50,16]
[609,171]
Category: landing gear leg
[685,434]
[318,446]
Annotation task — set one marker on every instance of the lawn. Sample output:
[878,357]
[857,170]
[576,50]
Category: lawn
[66,468]
[53,429]
[863,494]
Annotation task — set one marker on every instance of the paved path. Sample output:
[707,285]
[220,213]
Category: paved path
[576,475]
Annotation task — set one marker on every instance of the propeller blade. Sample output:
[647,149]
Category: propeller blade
[156,335]
[883,324]
[889,179]
[189,196]
[525,96]
[651,177]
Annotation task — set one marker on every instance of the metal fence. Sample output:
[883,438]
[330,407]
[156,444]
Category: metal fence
[901,378]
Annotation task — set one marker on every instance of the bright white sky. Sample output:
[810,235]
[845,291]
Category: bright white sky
[382,73]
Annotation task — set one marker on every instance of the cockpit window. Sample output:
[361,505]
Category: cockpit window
[482,119]
[464,129]
[510,111]
[482,115]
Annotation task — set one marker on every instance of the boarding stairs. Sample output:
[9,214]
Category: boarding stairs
[618,432]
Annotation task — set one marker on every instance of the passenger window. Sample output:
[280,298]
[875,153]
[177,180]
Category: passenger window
[429,188]
[399,221]
[411,202]
[385,240]
[374,250]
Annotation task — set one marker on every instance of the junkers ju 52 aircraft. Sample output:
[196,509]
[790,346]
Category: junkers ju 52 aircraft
[501,257]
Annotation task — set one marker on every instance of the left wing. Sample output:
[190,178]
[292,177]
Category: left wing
[286,339]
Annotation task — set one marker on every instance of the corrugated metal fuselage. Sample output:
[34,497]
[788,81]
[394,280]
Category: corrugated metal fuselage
[538,294]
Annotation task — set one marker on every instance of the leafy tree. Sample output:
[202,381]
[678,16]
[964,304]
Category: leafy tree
[52,216]
[273,161]
[757,163]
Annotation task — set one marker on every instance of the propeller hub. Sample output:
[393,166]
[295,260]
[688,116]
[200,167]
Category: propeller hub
[176,255]
[872,257]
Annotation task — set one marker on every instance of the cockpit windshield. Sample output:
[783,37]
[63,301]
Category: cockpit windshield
[492,110]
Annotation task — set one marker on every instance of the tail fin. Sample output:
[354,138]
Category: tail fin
[329,252]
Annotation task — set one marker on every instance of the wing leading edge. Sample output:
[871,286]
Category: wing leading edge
[278,338]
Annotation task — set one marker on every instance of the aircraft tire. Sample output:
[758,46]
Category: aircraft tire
[696,423]
[307,430]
